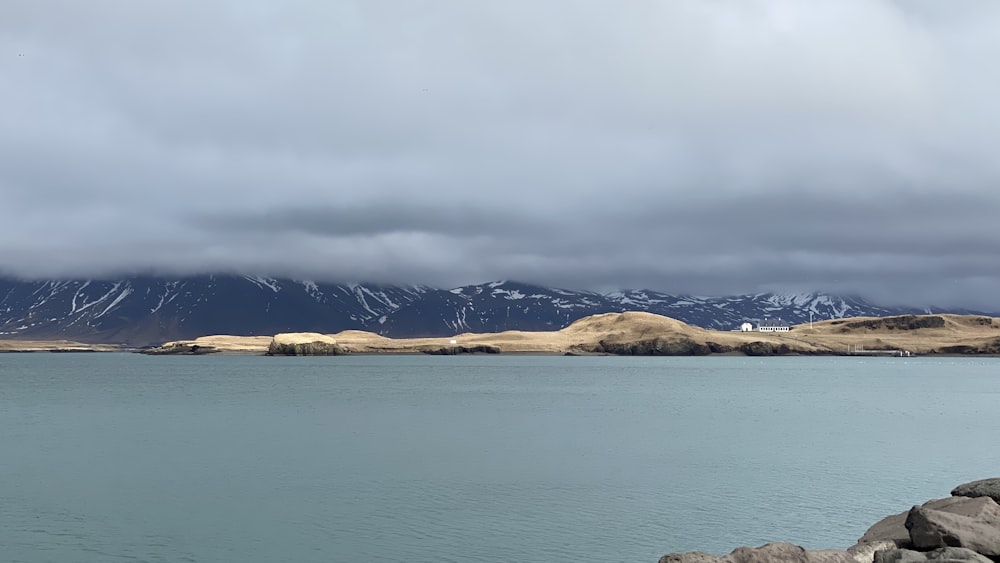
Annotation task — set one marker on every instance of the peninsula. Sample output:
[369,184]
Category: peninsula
[639,333]
[21,345]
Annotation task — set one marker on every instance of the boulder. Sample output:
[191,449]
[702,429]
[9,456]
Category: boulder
[893,528]
[770,553]
[981,488]
[864,552]
[973,524]
[941,555]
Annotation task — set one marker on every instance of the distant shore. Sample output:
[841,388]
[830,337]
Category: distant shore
[646,334]
[28,346]
[614,334]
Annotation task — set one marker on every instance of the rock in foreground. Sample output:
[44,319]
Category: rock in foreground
[958,528]
[976,528]
[778,552]
[942,555]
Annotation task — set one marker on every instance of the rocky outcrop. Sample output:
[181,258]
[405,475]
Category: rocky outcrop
[900,322]
[985,347]
[961,528]
[778,552]
[981,488]
[758,348]
[893,528]
[942,555]
[655,347]
[977,527]
[179,349]
[454,350]
[304,344]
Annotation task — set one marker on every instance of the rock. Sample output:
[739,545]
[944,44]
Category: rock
[942,555]
[981,488]
[455,350]
[864,552]
[179,349]
[759,348]
[690,557]
[974,524]
[656,347]
[769,553]
[303,344]
[717,348]
[893,528]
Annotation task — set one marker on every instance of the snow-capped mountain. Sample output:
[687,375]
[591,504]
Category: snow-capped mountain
[494,307]
[728,312]
[147,310]
[144,310]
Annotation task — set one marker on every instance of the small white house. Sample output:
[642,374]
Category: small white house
[746,327]
[773,326]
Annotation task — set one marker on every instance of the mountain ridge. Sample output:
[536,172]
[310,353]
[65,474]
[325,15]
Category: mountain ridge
[146,310]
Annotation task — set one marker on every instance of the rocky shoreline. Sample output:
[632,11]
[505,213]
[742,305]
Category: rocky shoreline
[963,527]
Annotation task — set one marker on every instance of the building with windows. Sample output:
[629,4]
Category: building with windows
[773,326]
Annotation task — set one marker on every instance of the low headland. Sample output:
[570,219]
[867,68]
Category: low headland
[964,527]
[643,334]
[54,346]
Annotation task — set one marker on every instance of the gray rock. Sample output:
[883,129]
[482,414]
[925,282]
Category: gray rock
[893,528]
[769,553]
[690,557]
[864,552]
[982,488]
[941,555]
[974,524]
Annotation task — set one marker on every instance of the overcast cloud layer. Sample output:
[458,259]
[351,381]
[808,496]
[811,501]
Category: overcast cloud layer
[685,146]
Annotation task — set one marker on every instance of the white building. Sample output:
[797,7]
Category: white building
[773,326]
[746,327]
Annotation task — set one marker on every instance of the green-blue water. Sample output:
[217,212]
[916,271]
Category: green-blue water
[124,457]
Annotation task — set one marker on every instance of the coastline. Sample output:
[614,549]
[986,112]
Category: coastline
[646,334]
[56,347]
[610,334]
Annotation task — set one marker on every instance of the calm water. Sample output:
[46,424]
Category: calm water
[247,459]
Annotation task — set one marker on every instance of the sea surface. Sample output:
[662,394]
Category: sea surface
[123,457]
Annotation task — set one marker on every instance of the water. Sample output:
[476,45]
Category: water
[120,457]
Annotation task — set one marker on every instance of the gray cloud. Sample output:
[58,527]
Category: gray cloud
[701,147]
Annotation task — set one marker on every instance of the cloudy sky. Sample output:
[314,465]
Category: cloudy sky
[705,146]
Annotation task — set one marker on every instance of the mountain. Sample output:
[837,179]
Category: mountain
[494,307]
[140,311]
[144,310]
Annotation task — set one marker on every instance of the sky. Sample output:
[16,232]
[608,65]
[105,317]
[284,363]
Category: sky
[708,147]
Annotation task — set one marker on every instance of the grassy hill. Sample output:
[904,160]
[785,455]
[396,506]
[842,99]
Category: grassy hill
[636,333]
